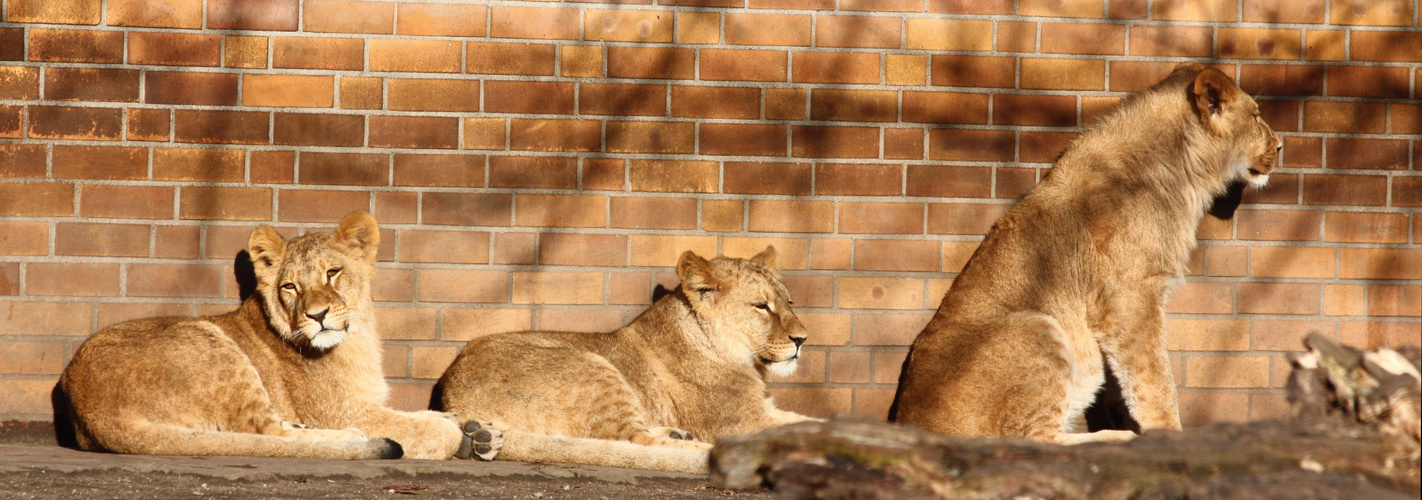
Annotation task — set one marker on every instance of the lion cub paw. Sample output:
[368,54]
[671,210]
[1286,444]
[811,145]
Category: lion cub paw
[676,438]
[671,433]
[481,440]
[302,431]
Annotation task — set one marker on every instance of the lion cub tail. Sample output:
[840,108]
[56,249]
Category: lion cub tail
[169,439]
[535,447]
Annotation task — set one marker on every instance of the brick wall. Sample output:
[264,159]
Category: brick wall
[541,165]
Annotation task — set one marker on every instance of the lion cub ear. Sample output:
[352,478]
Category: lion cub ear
[1212,91]
[697,281]
[766,257]
[265,247]
[358,233]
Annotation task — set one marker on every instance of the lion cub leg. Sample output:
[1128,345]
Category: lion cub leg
[669,437]
[288,429]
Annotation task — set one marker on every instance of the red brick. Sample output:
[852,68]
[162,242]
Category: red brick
[20,238]
[515,248]
[184,14]
[198,165]
[835,67]
[441,19]
[12,44]
[945,107]
[321,206]
[973,71]
[881,218]
[1373,334]
[528,97]
[1406,118]
[103,240]
[11,118]
[949,181]
[244,51]
[126,202]
[608,174]
[767,178]
[1014,182]
[1017,36]
[1043,147]
[1284,11]
[1081,39]
[427,56]
[72,279]
[534,22]
[1380,263]
[772,4]
[652,213]
[786,104]
[65,122]
[1358,12]
[834,142]
[1395,300]
[457,247]
[299,91]
[170,280]
[768,29]
[1397,46]
[177,242]
[485,133]
[461,95]
[533,172]
[903,143]
[563,249]
[99,162]
[854,105]
[791,216]
[255,15]
[1041,110]
[744,65]
[1407,192]
[536,59]
[743,139]
[1368,154]
[466,209]
[1292,262]
[1344,190]
[318,53]
[651,62]
[971,145]
[22,160]
[273,167]
[555,135]
[713,102]
[345,169]
[439,170]
[53,11]
[87,84]
[963,218]
[210,89]
[1296,225]
[327,16]
[174,49]
[226,127]
[856,31]
[1178,41]
[1364,81]
[669,176]
[1279,298]
[229,203]
[627,26]
[896,255]
[948,35]
[650,137]
[23,357]
[19,82]
[1303,152]
[845,179]
[1063,74]
[149,124]
[315,129]
[621,99]
[58,45]
[545,210]
[427,132]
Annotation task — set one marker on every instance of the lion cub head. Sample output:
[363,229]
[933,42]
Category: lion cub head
[1231,124]
[316,288]
[744,305]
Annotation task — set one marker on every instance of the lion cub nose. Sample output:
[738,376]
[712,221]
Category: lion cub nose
[798,340]
[318,316]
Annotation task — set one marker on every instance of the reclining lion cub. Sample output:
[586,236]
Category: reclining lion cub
[1080,267]
[294,372]
[691,367]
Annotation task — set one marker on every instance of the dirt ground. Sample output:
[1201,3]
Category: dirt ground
[33,467]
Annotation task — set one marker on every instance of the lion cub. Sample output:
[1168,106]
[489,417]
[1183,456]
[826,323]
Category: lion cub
[691,367]
[1080,267]
[294,372]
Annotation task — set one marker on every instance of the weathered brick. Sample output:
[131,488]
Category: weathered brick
[72,279]
[949,181]
[349,169]
[1395,300]
[528,97]
[329,16]
[835,67]
[711,102]
[768,29]
[53,11]
[440,19]
[858,179]
[174,49]
[230,203]
[318,129]
[256,15]
[49,199]
[544,210]
[23,238]
[743,139]
[126,202]
[834,142]
[198,165]
[534,22]
[89,84]
[299,91]
[881,218]
[226,127]
[651,62]
[1385,13]
[664,250]
[425,132]
[466,209]
[786,104]
[302,205]
[792,216]
[673,176]
[103,240]
[455,247]
[627,26]
[60,45]
[425,56]
[532,59]
[318,53]
[881,293]
[183,14]
[767,178]
[99,162]
[67,122]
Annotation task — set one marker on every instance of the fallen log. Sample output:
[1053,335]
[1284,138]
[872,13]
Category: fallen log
[1352,446]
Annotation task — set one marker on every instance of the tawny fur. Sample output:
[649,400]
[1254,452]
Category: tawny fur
[694,362]
[1080,268]
[273,378]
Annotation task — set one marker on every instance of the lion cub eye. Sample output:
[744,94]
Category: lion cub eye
[332,273]
[763,306]
[289,286]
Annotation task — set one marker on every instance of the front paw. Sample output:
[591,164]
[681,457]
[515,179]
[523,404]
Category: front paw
[481,440]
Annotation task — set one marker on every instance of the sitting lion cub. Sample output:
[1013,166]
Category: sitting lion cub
[1080,267]
[691,367]
[294,372]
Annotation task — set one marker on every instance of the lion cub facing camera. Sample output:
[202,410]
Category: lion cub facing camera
[1079,270]
[294,372]
[690,368]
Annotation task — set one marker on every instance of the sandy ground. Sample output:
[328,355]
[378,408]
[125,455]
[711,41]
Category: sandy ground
[32,466]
